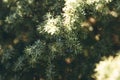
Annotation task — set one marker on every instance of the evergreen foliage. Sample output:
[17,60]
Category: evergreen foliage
[56,39]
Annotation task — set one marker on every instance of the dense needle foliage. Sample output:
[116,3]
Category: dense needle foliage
[56,39]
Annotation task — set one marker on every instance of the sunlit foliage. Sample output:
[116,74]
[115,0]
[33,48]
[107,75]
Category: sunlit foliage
[108,68]
[56,39]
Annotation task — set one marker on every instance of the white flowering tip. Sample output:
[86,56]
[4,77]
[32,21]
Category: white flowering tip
[19,6]
[113,13]
[5,1]
[108,69]
[69,13]
[92,1]
[50,29]
[30,1]
[108,1]
[28,49]
[70,1]
[51,26]
[99,6]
